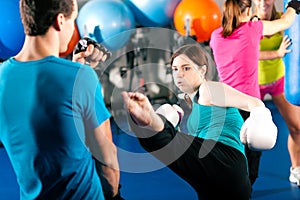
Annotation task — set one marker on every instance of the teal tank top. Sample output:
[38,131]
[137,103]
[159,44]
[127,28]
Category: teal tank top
[216,123]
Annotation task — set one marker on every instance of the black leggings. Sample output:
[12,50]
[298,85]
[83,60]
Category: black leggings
[214,170]
[253,157]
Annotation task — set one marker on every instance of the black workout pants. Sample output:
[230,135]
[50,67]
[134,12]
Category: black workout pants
[214,170]
[253,157]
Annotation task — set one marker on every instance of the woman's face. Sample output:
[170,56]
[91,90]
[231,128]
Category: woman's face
[186,74]
[264,7]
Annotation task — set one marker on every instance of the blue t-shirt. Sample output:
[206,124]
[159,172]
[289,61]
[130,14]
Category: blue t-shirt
[216,123]
[47,106]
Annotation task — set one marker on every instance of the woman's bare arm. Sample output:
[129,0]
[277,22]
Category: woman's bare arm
[286,20]
[223,95]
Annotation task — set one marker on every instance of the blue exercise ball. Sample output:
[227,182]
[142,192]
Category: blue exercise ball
[153,13]
[106,21]
[11,30]
[292,64]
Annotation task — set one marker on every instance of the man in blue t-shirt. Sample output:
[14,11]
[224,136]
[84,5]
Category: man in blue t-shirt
[52,117]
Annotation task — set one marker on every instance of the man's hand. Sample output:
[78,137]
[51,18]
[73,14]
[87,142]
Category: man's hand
[88,51]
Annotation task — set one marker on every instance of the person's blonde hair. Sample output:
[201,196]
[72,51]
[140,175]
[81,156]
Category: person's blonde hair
[274,15]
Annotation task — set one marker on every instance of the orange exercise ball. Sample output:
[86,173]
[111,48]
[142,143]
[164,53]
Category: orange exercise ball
[201,16]
[75,38]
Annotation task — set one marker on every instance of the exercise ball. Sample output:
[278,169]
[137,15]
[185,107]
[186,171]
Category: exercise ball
[71,45]
[11,30]
[153,13]
[197,18]
[106,21]
[292,64]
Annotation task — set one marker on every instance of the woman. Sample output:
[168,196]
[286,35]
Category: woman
[271,81]
[211,157]
[235,46]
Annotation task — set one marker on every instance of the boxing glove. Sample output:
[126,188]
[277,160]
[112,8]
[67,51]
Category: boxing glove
[294,4]
[83,44]
[259,131]
[173,114]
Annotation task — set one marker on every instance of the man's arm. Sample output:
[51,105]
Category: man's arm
[100,141]
[103,149]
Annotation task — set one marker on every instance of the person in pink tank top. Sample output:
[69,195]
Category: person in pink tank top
[235,47]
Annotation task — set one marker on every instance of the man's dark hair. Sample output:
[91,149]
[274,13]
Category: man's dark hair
[39,15]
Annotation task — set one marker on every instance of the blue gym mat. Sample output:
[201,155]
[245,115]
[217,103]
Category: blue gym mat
[272,184]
